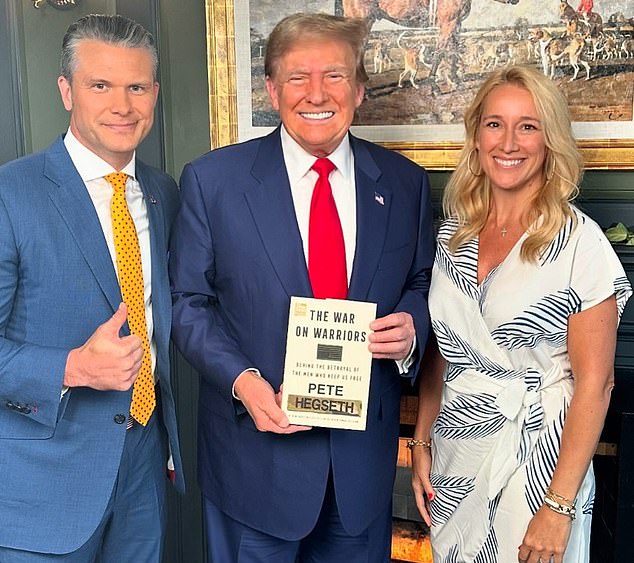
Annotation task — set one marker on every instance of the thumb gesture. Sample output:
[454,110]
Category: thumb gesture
[106,361]
[112,327]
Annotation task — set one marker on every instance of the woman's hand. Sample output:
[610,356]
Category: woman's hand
[423,491]
[429,397]
[546,537]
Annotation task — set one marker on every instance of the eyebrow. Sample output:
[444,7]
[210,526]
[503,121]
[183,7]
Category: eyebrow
[96,80]
[521,117]
[304,70]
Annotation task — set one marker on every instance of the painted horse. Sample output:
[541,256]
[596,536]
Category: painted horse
[446,15]
[586,23]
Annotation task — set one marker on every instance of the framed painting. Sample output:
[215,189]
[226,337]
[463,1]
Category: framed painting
[427,58]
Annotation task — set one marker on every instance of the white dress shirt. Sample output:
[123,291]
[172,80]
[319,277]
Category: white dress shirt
[302,180]
[92,170]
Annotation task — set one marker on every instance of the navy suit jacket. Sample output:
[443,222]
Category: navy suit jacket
[59,458]
[236,259]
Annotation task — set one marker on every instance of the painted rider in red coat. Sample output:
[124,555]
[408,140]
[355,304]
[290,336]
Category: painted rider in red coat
[585,7]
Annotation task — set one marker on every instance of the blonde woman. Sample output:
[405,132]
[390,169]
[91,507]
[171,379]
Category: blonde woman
[525,300]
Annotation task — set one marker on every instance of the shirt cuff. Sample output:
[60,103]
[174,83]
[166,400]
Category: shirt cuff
[233,387]
[404,364]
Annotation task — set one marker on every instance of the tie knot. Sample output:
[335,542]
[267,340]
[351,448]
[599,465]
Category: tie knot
[117,180]
[323,167]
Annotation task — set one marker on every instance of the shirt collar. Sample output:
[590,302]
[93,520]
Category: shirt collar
[88,164]
[298,161]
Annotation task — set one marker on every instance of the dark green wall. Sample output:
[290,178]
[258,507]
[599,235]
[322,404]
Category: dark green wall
[596,183]
[32,116]
[186,133]
[184,79]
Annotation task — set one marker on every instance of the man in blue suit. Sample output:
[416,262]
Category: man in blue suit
[82,480]
[243,244]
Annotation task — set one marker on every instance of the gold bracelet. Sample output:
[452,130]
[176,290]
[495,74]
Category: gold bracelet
[557,497]
[412,443]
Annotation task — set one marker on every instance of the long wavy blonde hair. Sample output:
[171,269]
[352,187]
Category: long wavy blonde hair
[467,196]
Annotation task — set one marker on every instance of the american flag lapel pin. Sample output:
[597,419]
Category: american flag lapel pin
[379,198]
[153,200]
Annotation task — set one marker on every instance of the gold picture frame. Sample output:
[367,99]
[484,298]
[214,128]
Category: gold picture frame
[599,154]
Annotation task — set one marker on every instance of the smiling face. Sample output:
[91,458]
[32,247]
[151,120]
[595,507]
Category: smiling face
[511,141]
[315,91]
[111,99]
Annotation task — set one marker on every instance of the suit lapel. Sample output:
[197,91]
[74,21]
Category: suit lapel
[373,210]
[161,300]
[70,197]
[271,205]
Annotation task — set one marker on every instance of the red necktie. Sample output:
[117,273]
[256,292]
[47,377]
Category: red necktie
[326,249]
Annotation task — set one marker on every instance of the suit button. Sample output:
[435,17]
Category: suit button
[25,410]
[10,405]
[119,418]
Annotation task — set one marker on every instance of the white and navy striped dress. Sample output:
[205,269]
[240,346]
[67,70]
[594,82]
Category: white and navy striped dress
[508,384]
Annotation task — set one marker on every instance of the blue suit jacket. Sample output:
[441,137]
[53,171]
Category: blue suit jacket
[59,459]
[235,260]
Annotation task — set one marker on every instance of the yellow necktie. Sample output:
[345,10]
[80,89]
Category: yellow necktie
[130,270]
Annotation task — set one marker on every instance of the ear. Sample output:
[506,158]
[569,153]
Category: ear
[156,88]
[271,88]
[358,98]
[66,92]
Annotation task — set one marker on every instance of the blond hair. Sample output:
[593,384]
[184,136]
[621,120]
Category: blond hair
[297,27]
[467,196]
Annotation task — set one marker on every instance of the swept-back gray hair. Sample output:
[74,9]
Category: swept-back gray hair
[114,29]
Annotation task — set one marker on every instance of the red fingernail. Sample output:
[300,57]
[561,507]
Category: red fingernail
[430,496]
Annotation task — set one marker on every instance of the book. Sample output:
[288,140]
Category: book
[328,364]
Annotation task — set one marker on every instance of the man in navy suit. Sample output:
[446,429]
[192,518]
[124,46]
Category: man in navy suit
[242,246]
[82,480]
